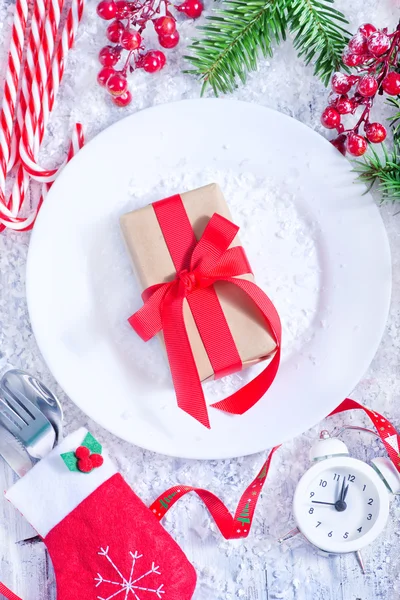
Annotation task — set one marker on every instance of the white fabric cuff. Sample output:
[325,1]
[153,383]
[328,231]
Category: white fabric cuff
[50,491]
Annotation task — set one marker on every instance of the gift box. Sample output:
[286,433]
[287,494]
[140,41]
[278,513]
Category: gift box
[186,254]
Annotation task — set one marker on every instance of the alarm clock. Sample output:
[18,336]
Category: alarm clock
[341,503]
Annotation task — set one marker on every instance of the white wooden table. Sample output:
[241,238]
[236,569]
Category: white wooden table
[256,568]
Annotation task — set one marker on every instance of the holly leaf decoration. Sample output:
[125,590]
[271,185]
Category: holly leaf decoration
[70,460]
[94,446]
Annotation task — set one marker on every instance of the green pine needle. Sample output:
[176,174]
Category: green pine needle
[383,169]
[319,33]
[395,119]
[233,39]
[237,34]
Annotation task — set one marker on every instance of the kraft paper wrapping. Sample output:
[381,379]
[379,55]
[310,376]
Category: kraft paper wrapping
[152,264]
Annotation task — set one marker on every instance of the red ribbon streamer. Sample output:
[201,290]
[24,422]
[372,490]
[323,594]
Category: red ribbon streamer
[199,265]
[239,525]
[4,591]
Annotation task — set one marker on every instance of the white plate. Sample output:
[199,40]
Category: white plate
[81,290]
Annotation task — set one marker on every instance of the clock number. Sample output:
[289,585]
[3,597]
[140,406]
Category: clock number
[351,478]
[330,534]
[311,511]
[318,524]
[369,517]
[370,501]
[359,529]
[346,535]
[336,477]
[323,483]
[312,494]
[364,488]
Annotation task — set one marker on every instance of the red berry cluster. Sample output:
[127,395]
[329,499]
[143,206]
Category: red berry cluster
[129,20]
[374,55]
[86,461]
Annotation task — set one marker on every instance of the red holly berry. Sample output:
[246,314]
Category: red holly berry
[366,29]
[341,83]
[104,75]
[367,86]
[161,57]
[378,43]
[340,144]
[97,460]
[356,144]
[391,83]
[109,56]
[82,452]
[131,39]
[358,44]
[165,25]
[344,105]
[170,40]
[375,132]
[114,31]
[123,9]
[191,8]
[107,10]
[117,84]
[151,62]
[330,118]
[353,60]
[85,465]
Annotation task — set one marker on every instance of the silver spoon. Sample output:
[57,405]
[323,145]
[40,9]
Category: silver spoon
[23,385]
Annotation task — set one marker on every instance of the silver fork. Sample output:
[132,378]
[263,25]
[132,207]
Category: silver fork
[28,424]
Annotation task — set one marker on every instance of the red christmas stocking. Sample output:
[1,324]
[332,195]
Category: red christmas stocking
[103,541]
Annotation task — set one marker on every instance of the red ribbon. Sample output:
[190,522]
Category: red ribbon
[4,591]
[199,265]
[239,525]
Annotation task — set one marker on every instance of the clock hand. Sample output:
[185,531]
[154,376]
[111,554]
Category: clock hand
[328,503]
[342,491]
[345,492]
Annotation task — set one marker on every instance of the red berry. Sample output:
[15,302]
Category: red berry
[104,75]
[97,460]
[378,43]
[107,10]
[358,44]
[165,25]
[344,106]
[161,57]
[391,83]
[82,452]
[356,144]
[367,29]
[330,118]
[150,62]
[85,465]
[333,97]
[367,86]
[341,83]
[340,144]
[169,41]
[191,8]
[114,31]
[117,84]
[375,132]
[131,39]
[109,56]
[353,60]
[123,9]
[122,100]
[353,79]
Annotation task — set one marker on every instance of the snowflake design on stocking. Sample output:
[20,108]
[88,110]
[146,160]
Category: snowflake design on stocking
[132,585]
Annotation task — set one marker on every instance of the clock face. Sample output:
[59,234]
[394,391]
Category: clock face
[341,504]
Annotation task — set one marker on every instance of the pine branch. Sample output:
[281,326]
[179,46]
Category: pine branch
[385,170]
[236,35]
[319,33]
[395,119]
[234,38]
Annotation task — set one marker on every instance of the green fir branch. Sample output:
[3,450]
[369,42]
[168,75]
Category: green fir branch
[382,169]
[319,33]
[233,39]
[394,120]
[238,33]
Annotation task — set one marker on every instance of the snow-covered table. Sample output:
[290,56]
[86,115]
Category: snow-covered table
[256,568]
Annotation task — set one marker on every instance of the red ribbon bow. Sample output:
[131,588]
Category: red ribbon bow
[199,265]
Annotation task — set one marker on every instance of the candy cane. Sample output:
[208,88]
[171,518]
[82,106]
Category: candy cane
[11,89]
[26,148]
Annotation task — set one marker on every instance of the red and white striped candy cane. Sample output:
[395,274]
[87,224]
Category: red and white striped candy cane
[26,149]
